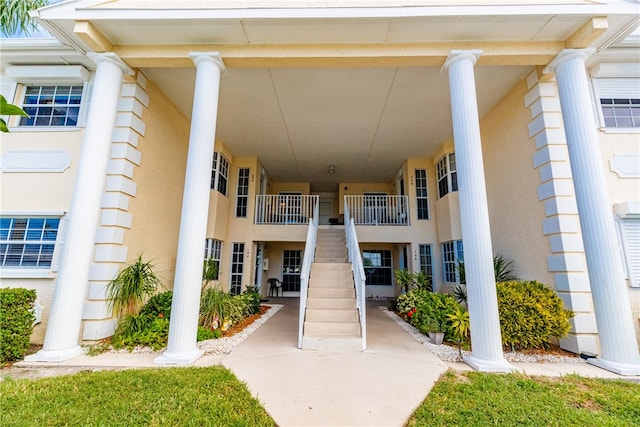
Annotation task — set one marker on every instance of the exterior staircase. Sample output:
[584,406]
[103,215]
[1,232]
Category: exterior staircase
[331,318]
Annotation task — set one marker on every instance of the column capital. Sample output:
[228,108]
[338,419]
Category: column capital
[459,55]
[214,57]
[566,55]
[111,58]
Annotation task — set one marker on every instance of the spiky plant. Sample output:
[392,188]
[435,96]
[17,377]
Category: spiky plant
[14,15]
[460,326]
[503,268]
[404,279]
[423,281]
[131,287]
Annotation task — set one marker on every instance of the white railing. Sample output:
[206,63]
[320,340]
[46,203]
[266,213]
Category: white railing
[284,208]
[378,210]
[309,256]
[359,278]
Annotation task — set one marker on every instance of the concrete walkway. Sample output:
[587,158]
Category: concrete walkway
[379,387]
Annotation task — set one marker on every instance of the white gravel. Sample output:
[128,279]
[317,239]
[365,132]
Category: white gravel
[450,354]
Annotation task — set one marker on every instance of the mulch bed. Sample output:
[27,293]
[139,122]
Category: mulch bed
[238,327]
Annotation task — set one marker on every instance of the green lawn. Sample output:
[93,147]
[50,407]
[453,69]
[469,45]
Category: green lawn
[149,397]
[214,397]
[480,399]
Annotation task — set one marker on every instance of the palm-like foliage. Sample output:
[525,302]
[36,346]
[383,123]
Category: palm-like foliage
[14,15]
[503,268]
[131,287]
[7,109]
[460,326]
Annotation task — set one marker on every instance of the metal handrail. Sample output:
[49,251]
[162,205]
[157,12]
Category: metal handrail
[359,278]
[284,209]
[378,209]
[305,273]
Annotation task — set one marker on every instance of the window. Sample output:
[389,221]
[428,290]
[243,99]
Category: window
[452,253]
[629,228]
[213,251]
[621,112]
[422,198]
[377,267]
[291,267]
[219,173]
[27,242]
[426,264]
[237,267]
[51,105]
[447,175]
[619,100]
[242,197]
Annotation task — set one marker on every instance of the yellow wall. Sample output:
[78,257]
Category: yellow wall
[160,179]
[289,187]
[515,213]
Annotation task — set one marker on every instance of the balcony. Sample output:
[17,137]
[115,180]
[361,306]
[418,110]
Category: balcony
[280,209]
[378,209]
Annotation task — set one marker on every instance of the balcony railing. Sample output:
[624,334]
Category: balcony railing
[378,210]
[284,209]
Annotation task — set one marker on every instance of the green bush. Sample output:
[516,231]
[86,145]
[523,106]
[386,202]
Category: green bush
[16,322]
[252,298]
[141,330]
[530,314]
[427,311]
[159,304]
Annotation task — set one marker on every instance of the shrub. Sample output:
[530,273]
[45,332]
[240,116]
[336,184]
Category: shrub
[208,334]
[427,311]
[141,330]
[219,309]
[408,281]
[252,299]
[16,322]
[530,313]
[131,286]
[159,304]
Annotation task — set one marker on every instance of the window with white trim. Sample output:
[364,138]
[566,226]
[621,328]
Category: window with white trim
[426,263]
[51,105]
[27,242]
[422,196]
[242,195]
[452,254]
[237,268]
[219,173]
[619,101]
[213,251]
[447,175]
[378,267]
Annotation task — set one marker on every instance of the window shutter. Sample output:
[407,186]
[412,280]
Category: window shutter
[617,88]
[631,242]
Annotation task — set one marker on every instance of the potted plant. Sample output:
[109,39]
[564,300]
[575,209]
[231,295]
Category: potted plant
[435,330]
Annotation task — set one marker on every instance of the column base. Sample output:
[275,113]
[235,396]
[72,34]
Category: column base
[180,358]
[55,355]
[484,365]
[617,367]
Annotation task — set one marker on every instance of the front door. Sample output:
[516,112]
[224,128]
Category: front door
[291,265]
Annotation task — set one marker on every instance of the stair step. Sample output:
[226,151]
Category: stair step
[331,293]
[335,276]
[331,315]
[329,260]
[331,329]
[319,282]
[330,266]
[330,303]
[345,343]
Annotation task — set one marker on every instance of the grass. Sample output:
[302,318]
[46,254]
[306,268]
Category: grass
[214,397]
[479,399]
[150,397]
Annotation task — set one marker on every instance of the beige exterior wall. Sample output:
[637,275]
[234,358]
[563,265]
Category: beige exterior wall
[157,205]
[621,190]
[49,192]
[515,213]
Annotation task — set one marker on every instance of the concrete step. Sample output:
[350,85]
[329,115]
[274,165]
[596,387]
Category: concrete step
[330,303]
[340,276]
[321,250]
[346,283]
[343,344]
[331,293]
[325,259]
[331,315]
[331,329]
[330,266]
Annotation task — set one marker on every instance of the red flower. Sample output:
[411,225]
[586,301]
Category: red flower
[161,315]
[410,313]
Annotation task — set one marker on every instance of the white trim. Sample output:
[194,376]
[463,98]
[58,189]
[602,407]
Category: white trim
[35,161]
[625,165]
[39,74]
[39,214]
[627,209]
[26,273]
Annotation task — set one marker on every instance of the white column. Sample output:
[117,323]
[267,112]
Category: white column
[474,216]
[610,297]
[183,329]
[65,319]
